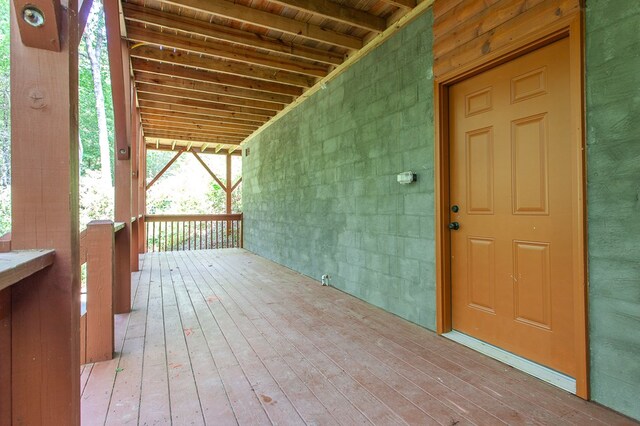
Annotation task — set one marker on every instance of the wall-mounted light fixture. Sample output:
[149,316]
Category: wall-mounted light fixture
[407,177]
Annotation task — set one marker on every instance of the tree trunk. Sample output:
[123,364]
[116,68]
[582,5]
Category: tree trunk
[94,34]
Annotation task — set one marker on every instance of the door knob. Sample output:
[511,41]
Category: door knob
[454,226]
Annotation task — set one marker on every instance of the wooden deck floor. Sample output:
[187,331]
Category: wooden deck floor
[226,337]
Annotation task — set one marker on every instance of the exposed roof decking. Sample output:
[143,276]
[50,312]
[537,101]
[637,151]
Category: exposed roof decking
[243,60]
[226,337]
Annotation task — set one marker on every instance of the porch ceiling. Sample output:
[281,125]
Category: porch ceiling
[208,73]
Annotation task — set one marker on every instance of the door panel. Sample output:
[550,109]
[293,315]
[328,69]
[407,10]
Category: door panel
[510,174]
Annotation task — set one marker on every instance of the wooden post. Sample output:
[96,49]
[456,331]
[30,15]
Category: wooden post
[5,357]
[229,185]
[121,92]
[45,308]
[135,136]
[142,195]
[228,191]
[100,279]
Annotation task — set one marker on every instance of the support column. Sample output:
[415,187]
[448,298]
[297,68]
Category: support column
[45,322]
[142,194]
[229,185]
[135,138]
[121,92]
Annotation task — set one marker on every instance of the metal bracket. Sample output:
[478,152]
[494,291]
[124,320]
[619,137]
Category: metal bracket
[39,23]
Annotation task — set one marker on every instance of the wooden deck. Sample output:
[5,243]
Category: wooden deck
[226,337]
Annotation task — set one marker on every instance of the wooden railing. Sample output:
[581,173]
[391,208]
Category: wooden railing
[97,250]
[193,232]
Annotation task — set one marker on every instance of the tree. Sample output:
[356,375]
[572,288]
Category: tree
[94,41]
[5,98]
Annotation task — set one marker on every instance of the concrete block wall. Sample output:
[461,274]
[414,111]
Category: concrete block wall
[613,203]
[320,193]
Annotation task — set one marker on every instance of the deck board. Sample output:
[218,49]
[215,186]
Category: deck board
[227,337]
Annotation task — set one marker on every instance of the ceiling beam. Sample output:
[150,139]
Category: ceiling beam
[223,50]
[194,132]
[178,57]
[153,144]
[215,77]
[181,125]
[193,129]
[405,4]
[269,21]
[191,94]
[201,113]
[188,119]
[189,137]
[162,111]
[149,16]
[337,12]
[185,82]
[241,112]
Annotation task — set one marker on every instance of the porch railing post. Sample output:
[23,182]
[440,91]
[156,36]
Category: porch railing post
[45,308]
[100,281]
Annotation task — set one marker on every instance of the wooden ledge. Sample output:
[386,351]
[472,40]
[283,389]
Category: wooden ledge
[18,265]
[117,226]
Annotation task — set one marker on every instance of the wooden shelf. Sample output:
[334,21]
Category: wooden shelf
[18,265]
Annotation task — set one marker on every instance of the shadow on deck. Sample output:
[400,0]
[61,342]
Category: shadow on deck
[227,337]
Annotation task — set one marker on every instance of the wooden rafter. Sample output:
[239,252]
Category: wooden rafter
[218,49]
[201,96]
[216,71]
[338,12]
[233,68]
[181,125]
[187,137]
[194,73]
[269,21]
[252,119]
[155,17]
[160,109]
[213,175]
[191,131]
[235,110]
[196,81]
[405,4]
[186,119]
[164,169]
[151,145]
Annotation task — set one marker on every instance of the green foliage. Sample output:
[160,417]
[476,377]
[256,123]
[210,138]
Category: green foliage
[88,115]
[5,106]
[186,188]
[5,210]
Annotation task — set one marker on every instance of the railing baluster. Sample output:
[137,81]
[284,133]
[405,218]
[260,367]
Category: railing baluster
[164,232]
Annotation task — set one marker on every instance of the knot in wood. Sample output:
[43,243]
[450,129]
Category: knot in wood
[37,99]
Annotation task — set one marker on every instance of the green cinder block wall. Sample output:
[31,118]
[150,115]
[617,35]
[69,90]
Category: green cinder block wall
[320,193]
[613,201]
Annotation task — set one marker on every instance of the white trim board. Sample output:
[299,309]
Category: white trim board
[541,372]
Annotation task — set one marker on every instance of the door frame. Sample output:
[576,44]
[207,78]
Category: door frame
[570,27]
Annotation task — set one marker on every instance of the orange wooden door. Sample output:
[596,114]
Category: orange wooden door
[511,178]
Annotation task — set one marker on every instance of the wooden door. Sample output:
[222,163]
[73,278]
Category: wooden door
[511,179]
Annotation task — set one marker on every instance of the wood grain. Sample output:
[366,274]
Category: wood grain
[18,265]
[252,342]
[470,30]
[45,318]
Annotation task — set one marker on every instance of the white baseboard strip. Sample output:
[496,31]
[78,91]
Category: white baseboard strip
[541,372]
